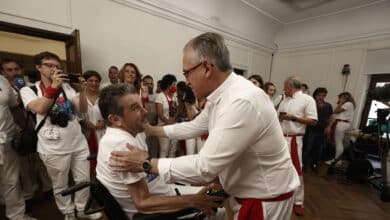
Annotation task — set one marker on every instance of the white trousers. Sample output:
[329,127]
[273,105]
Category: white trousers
[58,168]
[10,187]
[299,192]
[168,147]
[341,127]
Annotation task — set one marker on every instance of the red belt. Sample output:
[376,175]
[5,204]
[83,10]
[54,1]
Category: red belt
[333,129]
[252,209]
[294,152]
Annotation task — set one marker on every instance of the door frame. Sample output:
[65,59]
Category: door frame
[72,41]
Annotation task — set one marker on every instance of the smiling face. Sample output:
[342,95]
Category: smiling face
[93,84]
[129,75]
[195,73]
[133,114]
[11,70]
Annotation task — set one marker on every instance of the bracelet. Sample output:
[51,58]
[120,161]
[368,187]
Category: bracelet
[51,92]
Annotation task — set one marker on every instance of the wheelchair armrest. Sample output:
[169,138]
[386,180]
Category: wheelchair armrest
[75,188]
[169,216]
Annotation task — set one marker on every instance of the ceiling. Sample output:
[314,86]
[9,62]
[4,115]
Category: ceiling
[292,11]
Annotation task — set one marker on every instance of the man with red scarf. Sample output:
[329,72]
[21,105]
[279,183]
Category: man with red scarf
[295,112]
[245,147]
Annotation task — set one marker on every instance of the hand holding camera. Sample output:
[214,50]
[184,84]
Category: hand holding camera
[58,77]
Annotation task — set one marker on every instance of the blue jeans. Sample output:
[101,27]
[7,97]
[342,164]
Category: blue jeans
[312,148]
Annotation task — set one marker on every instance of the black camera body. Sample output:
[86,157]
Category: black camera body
[73,77]
[59,118]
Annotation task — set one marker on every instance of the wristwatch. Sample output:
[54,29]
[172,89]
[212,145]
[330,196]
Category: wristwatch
[147,165]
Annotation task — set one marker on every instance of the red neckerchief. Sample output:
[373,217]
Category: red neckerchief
[172,106]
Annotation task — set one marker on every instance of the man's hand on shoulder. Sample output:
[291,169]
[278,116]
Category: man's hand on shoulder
[128,161]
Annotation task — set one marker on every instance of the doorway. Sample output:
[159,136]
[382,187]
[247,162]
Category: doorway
[23,42]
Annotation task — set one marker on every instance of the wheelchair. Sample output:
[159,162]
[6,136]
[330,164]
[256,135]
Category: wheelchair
[107,203]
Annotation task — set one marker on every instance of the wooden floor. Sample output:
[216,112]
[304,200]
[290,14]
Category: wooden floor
[326,198]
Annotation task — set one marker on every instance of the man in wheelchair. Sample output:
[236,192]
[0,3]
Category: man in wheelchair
[122,109]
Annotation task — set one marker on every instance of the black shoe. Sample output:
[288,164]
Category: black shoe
[315,169]
[28,206]
[385,195]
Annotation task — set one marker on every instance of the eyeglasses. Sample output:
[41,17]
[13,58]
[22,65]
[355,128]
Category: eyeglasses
[51,65]
[186,73]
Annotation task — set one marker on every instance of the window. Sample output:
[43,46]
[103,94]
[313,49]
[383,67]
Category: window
[371,106]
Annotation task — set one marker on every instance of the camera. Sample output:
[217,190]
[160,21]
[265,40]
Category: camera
[59,118]
[282,113]
[73,77]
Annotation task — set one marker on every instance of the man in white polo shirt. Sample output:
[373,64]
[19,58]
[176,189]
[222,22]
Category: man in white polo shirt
[121,108]
[295,112]
[245,147]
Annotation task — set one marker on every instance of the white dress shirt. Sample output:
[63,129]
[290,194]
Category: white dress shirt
[245,146]
[347,114]
[300,105]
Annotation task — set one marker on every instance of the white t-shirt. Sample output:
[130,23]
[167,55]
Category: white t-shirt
[94,115]
[300,105]
[53,139]
[347,114]
[162,99]
[8,128]
[117,182]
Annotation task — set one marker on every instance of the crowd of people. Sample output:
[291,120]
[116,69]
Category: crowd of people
[217,127]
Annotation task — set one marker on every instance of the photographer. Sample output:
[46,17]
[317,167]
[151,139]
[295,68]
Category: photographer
[61,144]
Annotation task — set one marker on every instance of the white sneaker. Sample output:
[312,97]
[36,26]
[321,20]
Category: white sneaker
[329,162]
[27,217]
[97,215]
[70,217]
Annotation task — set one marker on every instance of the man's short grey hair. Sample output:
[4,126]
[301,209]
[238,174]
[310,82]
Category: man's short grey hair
[211,46]
[294,81]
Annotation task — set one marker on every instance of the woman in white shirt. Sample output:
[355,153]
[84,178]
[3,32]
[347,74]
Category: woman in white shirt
[270,89]
[340,122]
[93,122]
[130,74]
[166,106]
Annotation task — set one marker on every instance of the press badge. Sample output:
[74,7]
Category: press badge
[51,133]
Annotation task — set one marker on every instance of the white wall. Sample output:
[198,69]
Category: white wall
[378,61]
[115,32]
[353,25]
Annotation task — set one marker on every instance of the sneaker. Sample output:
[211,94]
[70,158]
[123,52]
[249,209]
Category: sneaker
[298,210]
[329,162]
[70,217]
[97,215]
[27,217]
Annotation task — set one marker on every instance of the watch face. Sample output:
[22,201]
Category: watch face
[146,166]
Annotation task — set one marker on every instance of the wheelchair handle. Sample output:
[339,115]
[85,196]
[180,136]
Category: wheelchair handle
[75,188]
